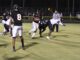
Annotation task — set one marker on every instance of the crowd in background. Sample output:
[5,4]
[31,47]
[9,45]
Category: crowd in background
[28,11]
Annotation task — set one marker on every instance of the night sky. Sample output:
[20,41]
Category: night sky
[28,3]
[62,4]
[37,2]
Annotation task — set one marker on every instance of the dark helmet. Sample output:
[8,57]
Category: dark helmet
[15,7]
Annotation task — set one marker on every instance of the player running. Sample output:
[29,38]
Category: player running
[35,24]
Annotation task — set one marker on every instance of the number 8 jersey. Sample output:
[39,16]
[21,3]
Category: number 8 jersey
[17,17]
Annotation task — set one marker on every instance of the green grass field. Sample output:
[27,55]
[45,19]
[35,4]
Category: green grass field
[64,45]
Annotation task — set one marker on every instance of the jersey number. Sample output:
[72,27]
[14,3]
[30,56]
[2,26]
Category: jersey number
[19,17]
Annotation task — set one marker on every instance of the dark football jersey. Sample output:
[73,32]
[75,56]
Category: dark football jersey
[17,17]
[36,17]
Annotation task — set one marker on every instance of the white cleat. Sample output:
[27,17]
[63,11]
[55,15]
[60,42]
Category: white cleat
[48,37]
[1,33]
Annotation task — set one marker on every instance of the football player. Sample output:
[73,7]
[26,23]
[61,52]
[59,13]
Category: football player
[17,28]
[35,24]
[5,21]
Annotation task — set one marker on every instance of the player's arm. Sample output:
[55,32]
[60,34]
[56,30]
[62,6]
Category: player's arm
[11,21]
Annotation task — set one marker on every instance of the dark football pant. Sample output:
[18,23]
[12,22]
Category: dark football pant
[57,27]
[6,27]
[52,27]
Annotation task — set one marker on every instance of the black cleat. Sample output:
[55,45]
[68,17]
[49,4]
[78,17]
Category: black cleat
[14,49]
[23,48]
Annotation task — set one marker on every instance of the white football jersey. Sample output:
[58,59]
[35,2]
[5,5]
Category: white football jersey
[56,15]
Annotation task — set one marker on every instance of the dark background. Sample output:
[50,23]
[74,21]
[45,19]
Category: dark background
[67,6]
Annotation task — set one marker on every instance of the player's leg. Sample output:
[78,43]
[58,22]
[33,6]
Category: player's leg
[36,26]
[6,27]
[40,32]
[20,31]
[61,22]
[33,30]
[41,28]
[11,31]
[54,27]
[14,34]
[50,30]
[13,43]
[57,27]
[22,42]
[4,32]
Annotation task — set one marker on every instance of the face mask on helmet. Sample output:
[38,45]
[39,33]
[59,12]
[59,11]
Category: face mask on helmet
[15,7]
